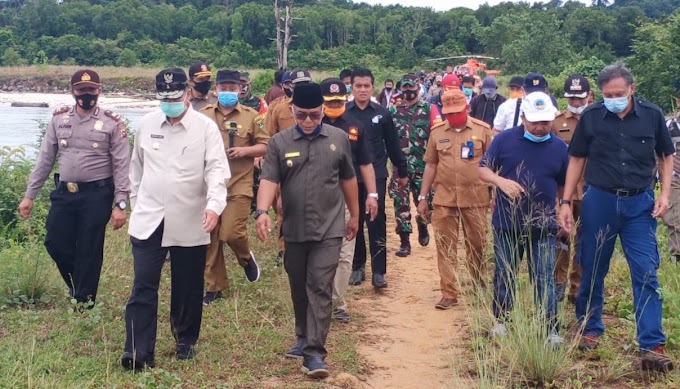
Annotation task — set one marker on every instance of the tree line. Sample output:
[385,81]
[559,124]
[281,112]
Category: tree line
[552,37]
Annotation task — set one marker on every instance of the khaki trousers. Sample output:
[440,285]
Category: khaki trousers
[446,222]
[232,228]
[563,271]
[341,280]
[672,221]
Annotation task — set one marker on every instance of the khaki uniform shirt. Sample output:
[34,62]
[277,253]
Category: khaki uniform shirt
[198,103]
[457,183]
[564,126]
[176,173]
[89,148]
[279,117]
[249,131]
[309,172]
[674,129]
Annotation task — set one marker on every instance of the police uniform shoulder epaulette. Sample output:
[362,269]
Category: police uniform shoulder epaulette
[649,104]
[246,108]
[61,110]
[208,108]
[480,122]
[112,115]
[438,125]
[561,113]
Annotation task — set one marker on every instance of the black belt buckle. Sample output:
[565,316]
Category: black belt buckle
[624,192]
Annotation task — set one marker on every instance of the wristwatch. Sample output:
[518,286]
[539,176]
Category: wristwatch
[565,201]
[122,204]
[421,198]
[374,195]
[259,212]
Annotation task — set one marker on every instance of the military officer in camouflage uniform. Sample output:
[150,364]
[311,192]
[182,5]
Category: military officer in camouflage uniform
[578,94]
[246,97]
[92,185]
[672,217]
[412,118]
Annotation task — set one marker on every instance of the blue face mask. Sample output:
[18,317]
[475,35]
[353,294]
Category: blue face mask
[227,99]
[173,110]
[616,104]
[349,88]
[536,139]
[467,91]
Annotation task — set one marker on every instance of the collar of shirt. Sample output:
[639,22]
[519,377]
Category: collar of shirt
[520,134]
[352,105]
[74,113]
[205,97]
[237,108]
[633,111]
[466,127]
[324,132]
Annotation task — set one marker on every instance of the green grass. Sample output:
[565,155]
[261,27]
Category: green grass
[47,345]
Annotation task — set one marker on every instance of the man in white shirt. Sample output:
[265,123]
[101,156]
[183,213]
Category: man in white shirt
[178,175]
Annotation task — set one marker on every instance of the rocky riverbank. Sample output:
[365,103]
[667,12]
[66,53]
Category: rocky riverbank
[137,87]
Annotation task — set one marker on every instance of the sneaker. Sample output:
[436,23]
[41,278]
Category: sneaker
[129,362]
[357,277]
[185,351]
[589,342]
[555,340]
[499,330]
[295,351]
[251,269]
[656,360]
[446,303]
[340,315]
[314,367]
[210,297]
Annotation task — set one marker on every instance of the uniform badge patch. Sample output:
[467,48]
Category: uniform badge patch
[293,154]
[333,147]
[98,125]
[353,133]
[289,163]
[335,88]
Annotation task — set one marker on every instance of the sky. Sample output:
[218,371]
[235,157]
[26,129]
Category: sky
[439,5]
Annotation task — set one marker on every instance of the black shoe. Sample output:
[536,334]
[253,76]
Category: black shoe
[279,259]
[129,362]
[379,281]
[314,367]
[210,297]
[357,277]
[423,235]
[251,269]
[340,315]
[185,351]
[405,248]
[295,351]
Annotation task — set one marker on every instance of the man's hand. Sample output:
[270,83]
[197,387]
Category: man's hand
[263,225]
[352,227]
[118,218]
[258,162]
[402,181]
[661,206]
[25,207]
[209,220]
[424,209]
[565,218]
[236,153]
[371,207]
[512,189]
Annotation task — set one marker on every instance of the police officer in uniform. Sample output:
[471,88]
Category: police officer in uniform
[312,163]
[200,85]
[672,217]
[335,114]
[94,155]
[244,140]
[456,145]
[578,93]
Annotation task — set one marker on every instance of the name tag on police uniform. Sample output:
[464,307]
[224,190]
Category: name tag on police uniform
[293,154]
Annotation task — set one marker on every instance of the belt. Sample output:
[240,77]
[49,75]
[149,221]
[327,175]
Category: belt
[624,192]
[75,187]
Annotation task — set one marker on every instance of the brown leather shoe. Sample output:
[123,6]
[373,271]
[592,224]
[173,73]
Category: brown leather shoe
[446,303]
[588,342]
[656,360]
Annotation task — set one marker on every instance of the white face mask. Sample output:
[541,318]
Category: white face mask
[576,110]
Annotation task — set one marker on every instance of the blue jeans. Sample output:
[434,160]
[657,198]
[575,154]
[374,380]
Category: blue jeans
[509,247]
[605,215]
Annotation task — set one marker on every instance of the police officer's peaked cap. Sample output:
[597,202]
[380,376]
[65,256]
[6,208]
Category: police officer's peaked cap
[224,75]
[85,78]
[170,83]
[576,86]
[308,96]
[333,89]
[199,69]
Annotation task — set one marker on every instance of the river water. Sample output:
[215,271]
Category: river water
[19,125]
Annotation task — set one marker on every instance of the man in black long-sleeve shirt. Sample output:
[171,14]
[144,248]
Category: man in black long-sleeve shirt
[383,142]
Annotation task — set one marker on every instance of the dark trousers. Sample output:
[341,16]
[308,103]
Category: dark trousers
[76,225]
[311,269]
[186,294]
[377,232]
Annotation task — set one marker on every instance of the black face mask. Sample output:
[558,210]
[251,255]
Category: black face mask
[203,87]
[410,94]
[388,88]
[86,101]
[288,92]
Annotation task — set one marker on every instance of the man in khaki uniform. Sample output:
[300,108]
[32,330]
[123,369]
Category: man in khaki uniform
[200,85]
[244,140]
[94,161]
[578,94]
[453,153]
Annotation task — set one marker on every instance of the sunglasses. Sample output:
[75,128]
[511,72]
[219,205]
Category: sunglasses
[314,116]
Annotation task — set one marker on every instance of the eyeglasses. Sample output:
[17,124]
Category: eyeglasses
[302,116]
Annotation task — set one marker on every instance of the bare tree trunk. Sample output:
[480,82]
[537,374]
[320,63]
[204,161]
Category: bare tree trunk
[279,49]
[287,37]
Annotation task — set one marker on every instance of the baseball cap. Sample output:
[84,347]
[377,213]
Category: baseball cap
[576,86]
[409,79]
[453,101]
[517,81]
[307,96]
[333,89]
[538,107]
[224,75]
[451,80]
[85,78]
[300,75]
[170,83]
[199,69]
[287,77]
[534,82]
[489,85]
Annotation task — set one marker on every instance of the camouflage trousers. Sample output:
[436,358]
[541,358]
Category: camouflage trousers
[402,202]
[672,221]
